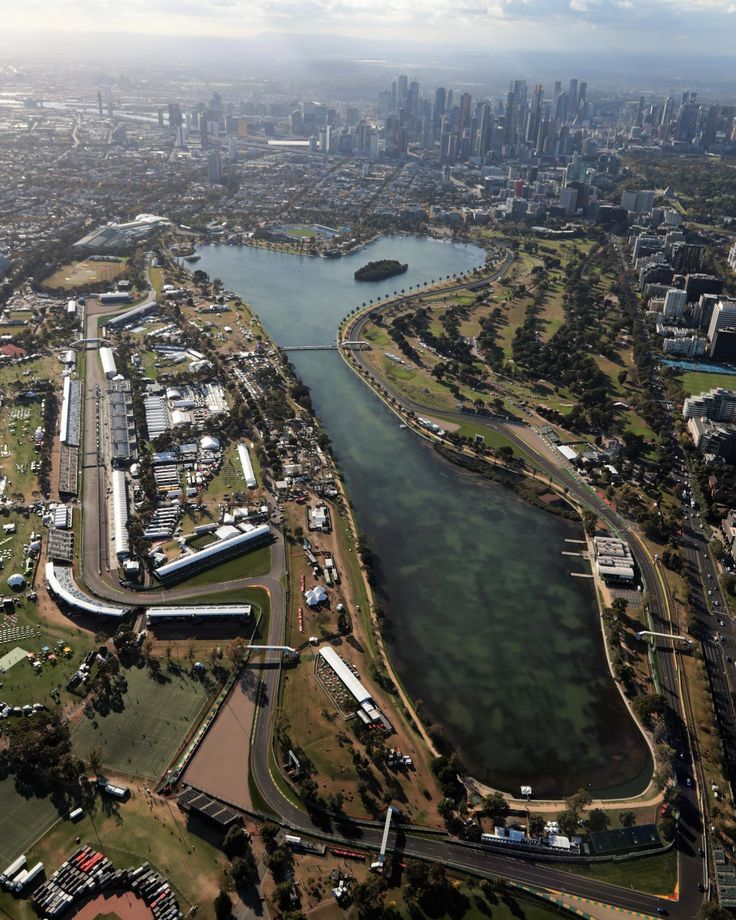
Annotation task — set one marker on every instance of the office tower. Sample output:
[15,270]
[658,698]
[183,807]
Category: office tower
[561,107]
[232,148]
[535,115]
[572,100]
[214,167]
[108,94]
[402,90]
[412,98]
[438,110]
[465,103]
[99,103]
[582,96]
[687,120]
[483,137]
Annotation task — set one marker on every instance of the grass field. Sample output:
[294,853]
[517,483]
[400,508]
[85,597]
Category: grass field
[22,820]
[130,834]
[78,274]
[256,562]
[653,874]
[143,737]
[470,904]
[18,421]
[699,381]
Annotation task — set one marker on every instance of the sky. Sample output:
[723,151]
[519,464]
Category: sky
[696,26]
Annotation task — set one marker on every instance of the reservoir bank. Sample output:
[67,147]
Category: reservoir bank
[490,633]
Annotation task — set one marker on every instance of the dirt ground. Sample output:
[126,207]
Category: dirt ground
[220,766]
[126,906]
[316,725]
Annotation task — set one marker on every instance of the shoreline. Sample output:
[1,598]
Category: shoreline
[463,458]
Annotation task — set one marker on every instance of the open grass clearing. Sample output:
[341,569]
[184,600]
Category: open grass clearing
[22,820]
[256,562]
[80,274]
[656,874]
[142,738]
[695,382]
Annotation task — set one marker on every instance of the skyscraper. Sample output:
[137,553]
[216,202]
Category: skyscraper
[214,167]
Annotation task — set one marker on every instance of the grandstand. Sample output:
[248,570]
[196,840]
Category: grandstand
[213,554]
[61,585]
[205,613]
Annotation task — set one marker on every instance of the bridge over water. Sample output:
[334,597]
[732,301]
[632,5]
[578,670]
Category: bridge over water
[356,346]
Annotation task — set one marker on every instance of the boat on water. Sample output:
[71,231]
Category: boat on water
[192,258]
[402,425]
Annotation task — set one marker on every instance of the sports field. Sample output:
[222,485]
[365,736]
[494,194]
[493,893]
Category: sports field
[22,820]
[78,274]
[142,738]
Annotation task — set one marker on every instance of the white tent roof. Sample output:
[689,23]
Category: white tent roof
[315,596]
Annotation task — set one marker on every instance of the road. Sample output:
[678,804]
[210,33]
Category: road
[406,840]
[100,580]
[547,460]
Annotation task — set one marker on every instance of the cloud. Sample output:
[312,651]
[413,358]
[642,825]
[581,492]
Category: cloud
[468,21]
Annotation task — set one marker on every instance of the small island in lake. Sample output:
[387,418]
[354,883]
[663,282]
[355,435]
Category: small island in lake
[377,271]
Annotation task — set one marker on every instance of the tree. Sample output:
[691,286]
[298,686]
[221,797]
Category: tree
[95,761]
[598,819]
[536,825]
[236,651]
[223,905]
[711,910]
[369,897]
[269,833]
[568,821]
[496,807]
[243,870]
[446,807]
[590,522]
[235,842]
[627,818]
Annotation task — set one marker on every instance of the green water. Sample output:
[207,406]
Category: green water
[489,631]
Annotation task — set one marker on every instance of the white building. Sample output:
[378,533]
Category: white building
[245,461]
[107,359]
[675,302]
[120,515]
[723,317]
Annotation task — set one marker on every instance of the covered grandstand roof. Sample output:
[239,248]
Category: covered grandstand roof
[120,514]
[213,553]
[353,684]
[61,583]
[203,611]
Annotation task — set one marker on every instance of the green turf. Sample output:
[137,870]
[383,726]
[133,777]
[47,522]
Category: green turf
[653,874]
[256,596]
[698,382]
[256,562]
[22,820]
[469,903]
[143,737]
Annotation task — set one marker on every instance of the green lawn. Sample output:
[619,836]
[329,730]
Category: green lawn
[699,381]
[469,903]
[22,820]
[653,874]
[256,562]
[16,447]
[142,738]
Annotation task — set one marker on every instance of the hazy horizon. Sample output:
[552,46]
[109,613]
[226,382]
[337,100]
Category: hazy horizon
[621,26]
